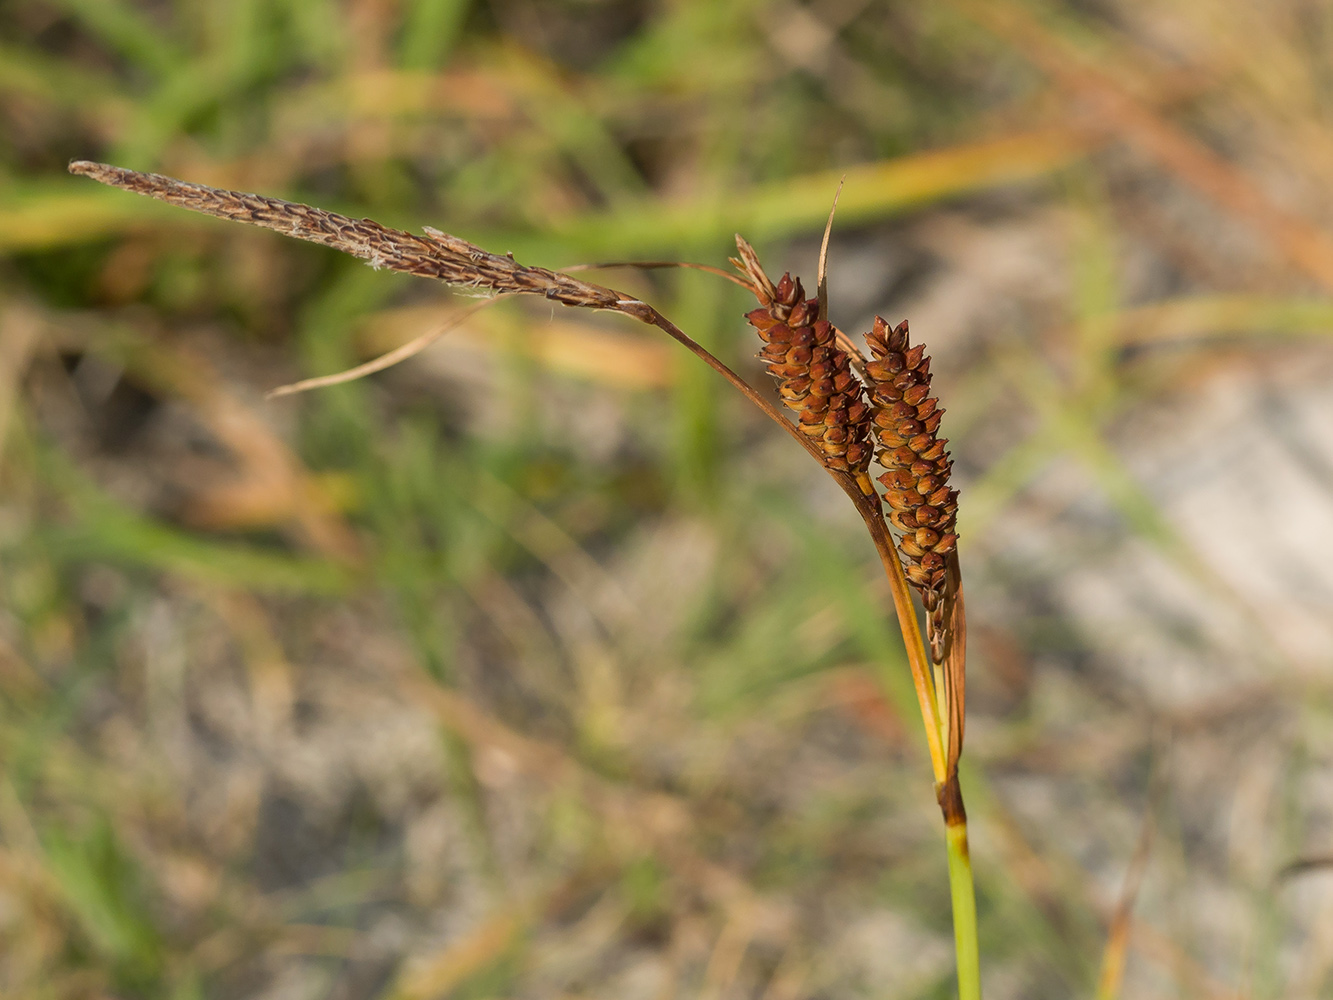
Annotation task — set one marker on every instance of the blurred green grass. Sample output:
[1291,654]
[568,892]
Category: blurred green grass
[194,582]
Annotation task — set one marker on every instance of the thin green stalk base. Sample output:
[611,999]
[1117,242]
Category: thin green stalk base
[964,912]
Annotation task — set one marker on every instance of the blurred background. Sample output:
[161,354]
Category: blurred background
[541,665]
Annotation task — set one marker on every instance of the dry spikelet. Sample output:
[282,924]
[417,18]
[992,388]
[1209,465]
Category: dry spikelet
[815,379]
[921,504]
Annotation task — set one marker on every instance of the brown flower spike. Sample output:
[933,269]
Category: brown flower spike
[815,378]
[922,506]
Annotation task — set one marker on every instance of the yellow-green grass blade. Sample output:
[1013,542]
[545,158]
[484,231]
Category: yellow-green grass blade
[68,213]
[101,528]
[127,31]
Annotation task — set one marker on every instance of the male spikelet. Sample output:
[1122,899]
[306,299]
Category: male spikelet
[922,506]
[435,255]
[815,379]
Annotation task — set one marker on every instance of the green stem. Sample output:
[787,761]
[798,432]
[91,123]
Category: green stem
[964,912]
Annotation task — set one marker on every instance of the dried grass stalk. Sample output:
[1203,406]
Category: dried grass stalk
[815,378]
[906,419]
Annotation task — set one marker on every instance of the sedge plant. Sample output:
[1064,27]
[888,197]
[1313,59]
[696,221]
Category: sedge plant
[850,410]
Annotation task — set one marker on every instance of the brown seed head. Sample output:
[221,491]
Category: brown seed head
[906,422]
[815,379]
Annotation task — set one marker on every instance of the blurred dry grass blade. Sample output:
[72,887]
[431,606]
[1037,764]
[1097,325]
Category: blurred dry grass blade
[874,190]
[652,820]
[20,328]
[1205,318]
[438,974]
[271,485]
[1116,954]
[1307,246]
[1312,863]
[385,360]
[655,265]
[569,347]
[728,952]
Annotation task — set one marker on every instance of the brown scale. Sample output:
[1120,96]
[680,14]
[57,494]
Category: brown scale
[814,378]
[906,430]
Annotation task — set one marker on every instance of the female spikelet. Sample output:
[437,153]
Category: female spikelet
[906,422]
[815,379]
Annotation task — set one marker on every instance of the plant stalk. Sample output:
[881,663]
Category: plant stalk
[961,889]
